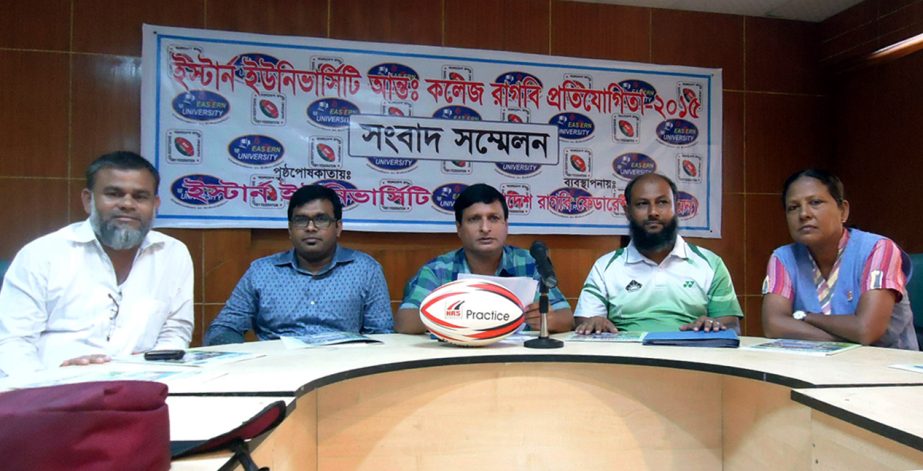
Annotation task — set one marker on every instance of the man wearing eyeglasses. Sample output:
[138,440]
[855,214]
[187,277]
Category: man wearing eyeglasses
[317,287]
[101,287]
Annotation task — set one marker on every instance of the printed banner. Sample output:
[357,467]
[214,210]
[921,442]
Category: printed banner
[237,122]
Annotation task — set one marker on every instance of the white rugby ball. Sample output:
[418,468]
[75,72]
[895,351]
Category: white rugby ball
[472,312]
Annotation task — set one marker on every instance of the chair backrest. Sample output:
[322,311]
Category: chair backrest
[915,291]
[102,425]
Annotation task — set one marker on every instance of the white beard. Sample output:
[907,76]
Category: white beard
[113,236]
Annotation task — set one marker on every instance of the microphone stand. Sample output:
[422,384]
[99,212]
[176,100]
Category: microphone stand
[543,340]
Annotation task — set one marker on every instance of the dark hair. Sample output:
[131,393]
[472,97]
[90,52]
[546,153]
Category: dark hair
[479,193]
[309,193]
[121,160]
[833,184]
[631,185]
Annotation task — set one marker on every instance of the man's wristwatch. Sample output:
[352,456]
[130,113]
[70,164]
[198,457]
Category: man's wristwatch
[799,315]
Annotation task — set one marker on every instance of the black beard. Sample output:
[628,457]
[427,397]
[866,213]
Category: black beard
[646,241]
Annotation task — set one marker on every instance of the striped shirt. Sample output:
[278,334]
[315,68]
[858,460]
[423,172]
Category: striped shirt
[446,267]
[882,271]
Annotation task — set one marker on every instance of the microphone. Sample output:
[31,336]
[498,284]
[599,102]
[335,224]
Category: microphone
[539,252]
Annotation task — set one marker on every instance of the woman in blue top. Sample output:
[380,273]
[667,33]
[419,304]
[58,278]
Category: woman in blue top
[834,283]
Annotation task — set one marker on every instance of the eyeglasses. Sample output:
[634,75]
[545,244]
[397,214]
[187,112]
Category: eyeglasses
[113,314]
[321,221]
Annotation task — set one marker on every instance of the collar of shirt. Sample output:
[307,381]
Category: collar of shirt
[840,248]
[341,255]
[82,233]
[504,269]
[680,250]
[844,239]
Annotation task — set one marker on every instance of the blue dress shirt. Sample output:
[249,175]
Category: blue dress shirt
[277,298]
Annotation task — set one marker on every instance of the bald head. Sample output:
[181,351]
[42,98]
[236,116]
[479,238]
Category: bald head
[647,177]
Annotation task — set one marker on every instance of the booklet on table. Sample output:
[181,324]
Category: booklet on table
[325,338]
[617,337]
[804,347]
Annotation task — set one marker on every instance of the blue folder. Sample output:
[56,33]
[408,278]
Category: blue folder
[691,338]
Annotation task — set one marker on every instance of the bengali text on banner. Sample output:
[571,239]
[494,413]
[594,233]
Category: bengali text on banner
[236,122]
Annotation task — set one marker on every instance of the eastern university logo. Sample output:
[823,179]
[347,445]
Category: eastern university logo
[256,150]
[201,106]
[392,164]
[677,132]
[518,169]
[633,164]
[640,86]
[393,69]
[331,113]
[457,113]
[573,126]
[444,196]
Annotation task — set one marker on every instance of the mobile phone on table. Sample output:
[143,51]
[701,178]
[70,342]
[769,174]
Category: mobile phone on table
[155,355]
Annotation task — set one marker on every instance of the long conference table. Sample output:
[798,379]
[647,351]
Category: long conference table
[411,403]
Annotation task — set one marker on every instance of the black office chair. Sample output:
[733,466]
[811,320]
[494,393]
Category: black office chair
[915,291]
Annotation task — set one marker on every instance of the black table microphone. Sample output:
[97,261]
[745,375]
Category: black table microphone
[539,252]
